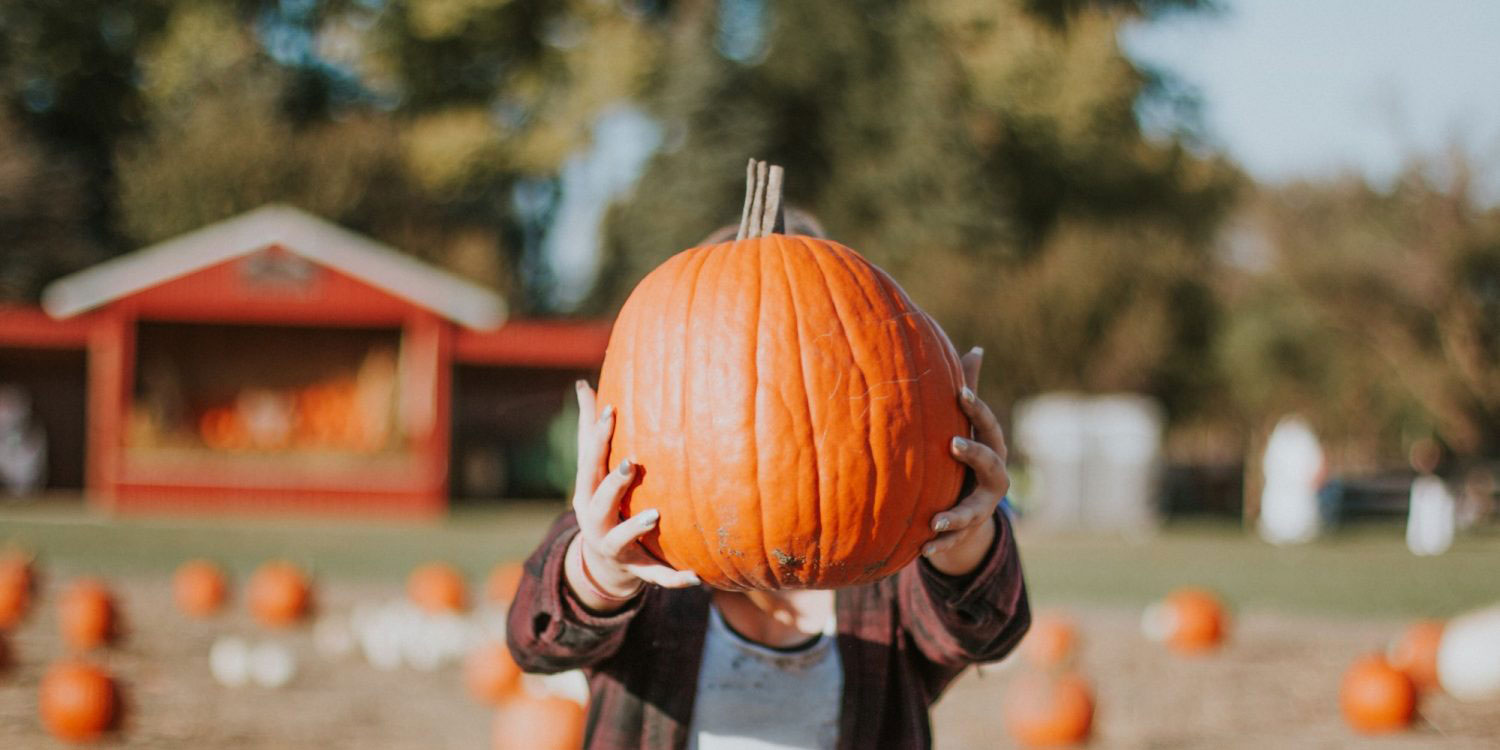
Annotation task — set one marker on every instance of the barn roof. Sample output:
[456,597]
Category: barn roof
[295,231]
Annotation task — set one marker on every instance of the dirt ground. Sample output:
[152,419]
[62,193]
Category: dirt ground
[1274,686]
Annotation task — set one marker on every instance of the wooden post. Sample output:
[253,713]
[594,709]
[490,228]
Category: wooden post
[111,364]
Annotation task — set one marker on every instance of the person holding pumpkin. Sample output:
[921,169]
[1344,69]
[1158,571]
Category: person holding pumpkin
[809,654]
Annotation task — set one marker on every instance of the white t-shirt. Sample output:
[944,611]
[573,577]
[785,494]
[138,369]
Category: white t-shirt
[753,697]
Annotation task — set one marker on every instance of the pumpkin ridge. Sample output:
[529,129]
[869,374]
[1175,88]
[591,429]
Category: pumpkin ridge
[755,390]
[855,277]
[691,426]
[802,351]
[688,279]
[919,504]
[823,543]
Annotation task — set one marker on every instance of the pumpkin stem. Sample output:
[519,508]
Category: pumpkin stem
[762,214]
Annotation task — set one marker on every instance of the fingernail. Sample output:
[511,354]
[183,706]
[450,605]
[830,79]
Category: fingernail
[941,524]
[967,394]
[651,516]
[580,384]
[960,445]
[929,549]
[625,466]
[695,580]
[979,350]
[609,411]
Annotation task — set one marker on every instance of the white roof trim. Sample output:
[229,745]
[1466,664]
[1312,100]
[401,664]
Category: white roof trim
[297,231]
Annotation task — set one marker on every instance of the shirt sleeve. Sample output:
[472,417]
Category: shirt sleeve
[961,620]
[548,629]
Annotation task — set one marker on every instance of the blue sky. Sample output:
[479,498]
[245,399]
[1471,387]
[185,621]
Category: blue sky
[1294,88]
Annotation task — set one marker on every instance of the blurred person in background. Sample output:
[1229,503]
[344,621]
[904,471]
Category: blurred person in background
[1294,469]
[23,445]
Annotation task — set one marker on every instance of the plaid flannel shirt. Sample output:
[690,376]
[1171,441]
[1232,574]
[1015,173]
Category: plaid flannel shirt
[902,640]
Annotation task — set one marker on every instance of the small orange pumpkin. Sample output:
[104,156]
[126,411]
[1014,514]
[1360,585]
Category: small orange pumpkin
[86,614]
[501,586]
[491,674]
[199,587]
[530,723]
[1415,653]
[790,407]
[1051,642]
[1045,710]
[1377,698]
[438,587]
[1189,620]
[77,701]
[279,594]
[17,582]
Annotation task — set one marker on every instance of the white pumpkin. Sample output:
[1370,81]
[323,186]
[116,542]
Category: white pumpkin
[1468,660]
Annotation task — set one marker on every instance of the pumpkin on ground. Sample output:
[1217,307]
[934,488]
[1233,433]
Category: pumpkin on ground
[17,582]
[1468,660]
[86,615]
[1376,697]
[77,701]
[491,674]
[531,723]
[1051,642]
[1415,653]
[1040,709]
[279,594]
[789,407]
[1189,620]
[438,587]
[199,587]
[501,586]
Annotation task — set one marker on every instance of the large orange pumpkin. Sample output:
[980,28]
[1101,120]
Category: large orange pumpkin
[790,408]
[199,588]
[86,614]
[438,587]
[1046,710]
[1376,697]
[501,586]
[530,723]
[1415,653]
[17,582]
[1051,641]
[77,701]
[279,594]
[1190,620]
[491,674]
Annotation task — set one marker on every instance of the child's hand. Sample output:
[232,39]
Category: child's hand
[606,567]
[966,530]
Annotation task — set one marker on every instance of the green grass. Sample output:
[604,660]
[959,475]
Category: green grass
[76,541]
[1364,571]
[1360,571]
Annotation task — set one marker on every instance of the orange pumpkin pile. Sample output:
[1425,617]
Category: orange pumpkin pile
[1043,709]
[819,402]
[279,594]
[77,701]
[531,723]
[86,614]
[1415,653]
[1377,698]
[199,587]
[491,675]
[438,587]
[1189,620]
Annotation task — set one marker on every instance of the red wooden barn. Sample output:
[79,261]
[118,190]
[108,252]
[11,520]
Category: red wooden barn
[275,361]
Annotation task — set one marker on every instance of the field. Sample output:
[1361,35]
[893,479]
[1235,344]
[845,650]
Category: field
[1301,616]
